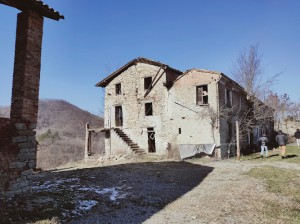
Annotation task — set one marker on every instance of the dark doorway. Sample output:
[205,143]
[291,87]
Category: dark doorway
[118,116]
[151,140]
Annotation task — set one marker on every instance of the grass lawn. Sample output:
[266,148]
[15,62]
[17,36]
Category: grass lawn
[292,154]
[280,181]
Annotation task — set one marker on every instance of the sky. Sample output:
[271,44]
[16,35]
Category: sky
[99,36]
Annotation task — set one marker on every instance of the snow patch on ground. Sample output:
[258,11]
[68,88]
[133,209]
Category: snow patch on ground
[114,192]
[86,204]
[50,184]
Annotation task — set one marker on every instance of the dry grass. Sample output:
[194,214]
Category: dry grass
[292,153]
[282,182]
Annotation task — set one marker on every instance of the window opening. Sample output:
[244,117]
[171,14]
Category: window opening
[118,89]
[229,136]
[201,95]
[148,109]
[179,130]
[119,116]
[147,83]
[228,97]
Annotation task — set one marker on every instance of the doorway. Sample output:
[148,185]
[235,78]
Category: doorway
[151,140]
[118,116]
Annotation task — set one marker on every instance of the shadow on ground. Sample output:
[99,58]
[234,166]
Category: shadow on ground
[127,193]
[290,156]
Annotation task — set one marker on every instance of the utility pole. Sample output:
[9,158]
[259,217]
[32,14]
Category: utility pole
[238,150]
[87,142]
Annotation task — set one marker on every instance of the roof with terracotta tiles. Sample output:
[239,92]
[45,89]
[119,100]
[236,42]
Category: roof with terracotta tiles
[36,5]
[109,78]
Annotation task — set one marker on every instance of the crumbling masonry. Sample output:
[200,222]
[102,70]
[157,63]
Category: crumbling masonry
[17,133]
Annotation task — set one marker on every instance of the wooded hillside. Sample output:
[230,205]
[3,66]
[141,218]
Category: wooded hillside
[61,133]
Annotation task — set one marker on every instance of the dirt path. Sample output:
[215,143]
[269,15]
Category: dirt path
[149,191]
[225,196]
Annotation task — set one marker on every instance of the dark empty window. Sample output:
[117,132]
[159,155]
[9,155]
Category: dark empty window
[179,130]
[201,95]
[148,109]
[228,97]
[147,83]
[118,89]
[119,116]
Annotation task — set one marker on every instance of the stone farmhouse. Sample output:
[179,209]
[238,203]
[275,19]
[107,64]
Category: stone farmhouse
[17,133]
[151,107]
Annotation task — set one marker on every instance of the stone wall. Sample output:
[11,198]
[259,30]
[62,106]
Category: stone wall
[189,122]
[18,156]
[177,118]
[133,101]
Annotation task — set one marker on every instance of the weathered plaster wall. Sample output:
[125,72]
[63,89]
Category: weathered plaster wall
[115,145]
[185,114]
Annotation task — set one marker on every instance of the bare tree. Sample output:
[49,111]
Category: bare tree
[248,72]
[283,107]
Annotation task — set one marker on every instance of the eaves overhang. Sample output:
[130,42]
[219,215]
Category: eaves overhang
[35,5]
[108,79]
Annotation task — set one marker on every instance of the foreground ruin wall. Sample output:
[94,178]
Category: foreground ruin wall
[17,156]
[17,135]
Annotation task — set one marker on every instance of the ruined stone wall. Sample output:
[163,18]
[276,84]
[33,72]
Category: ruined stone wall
[289,127]
[17,141]
[132,100]
[17,156]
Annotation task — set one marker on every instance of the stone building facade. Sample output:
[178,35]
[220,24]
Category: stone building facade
[17,133]
[153,108]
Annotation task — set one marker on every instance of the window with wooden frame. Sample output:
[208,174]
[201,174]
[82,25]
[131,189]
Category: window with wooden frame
[228,97]
[147,83]
[118,89]
[148,109]
[202,95]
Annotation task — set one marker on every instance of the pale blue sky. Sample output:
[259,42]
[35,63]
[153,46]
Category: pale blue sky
[99,36]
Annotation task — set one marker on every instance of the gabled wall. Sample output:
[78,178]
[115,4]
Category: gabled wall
[133,99]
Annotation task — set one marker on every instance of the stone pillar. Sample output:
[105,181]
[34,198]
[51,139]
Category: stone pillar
[26,79]
[19,149]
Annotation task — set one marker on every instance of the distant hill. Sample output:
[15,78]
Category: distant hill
[62,116]
[4,111]
[61,132]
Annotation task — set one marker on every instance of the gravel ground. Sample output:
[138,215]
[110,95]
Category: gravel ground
[148,190]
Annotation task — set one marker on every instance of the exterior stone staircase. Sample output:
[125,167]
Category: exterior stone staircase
[133,146]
